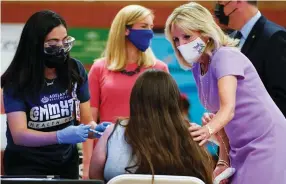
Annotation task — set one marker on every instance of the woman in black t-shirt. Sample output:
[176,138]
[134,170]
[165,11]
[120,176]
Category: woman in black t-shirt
[46,97]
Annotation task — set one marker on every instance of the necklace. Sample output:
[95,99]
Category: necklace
[50,83]
[204,68]
[131,73]
[204,99]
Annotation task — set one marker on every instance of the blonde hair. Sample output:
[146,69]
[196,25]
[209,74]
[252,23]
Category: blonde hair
[194,17]
[115,51]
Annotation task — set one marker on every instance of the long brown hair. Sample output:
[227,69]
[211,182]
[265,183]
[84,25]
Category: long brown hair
[158,134]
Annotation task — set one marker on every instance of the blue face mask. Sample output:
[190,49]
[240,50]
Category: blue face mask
[140,38]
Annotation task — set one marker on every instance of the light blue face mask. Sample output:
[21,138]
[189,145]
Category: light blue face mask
[140,38]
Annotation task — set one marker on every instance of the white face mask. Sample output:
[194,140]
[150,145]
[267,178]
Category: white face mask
[192,51]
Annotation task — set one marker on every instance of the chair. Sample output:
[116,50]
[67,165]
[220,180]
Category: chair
[3,140]
[158,179]
[47,181]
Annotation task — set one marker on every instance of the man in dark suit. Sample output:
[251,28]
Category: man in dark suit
[262,41]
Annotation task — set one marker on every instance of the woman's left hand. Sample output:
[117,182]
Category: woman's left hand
[99,129]
[207,117]
[199,134]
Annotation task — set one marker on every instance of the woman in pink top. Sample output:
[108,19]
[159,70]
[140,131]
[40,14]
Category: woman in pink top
[127,55]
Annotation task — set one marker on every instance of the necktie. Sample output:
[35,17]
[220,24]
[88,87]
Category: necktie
[238,35]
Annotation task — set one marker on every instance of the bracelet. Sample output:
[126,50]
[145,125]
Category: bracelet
[211,131]
[222,162]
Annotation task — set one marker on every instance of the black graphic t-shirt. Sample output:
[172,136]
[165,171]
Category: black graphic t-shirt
[51,111]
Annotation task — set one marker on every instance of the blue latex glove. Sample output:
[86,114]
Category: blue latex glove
[99,129]
[73,134]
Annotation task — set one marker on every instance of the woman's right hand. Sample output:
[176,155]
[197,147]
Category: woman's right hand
[73,134]
[207,117]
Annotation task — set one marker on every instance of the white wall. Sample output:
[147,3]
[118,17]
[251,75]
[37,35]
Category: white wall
[3,129]
[10,34]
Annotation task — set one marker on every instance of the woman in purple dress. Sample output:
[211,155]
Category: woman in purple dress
[229,87]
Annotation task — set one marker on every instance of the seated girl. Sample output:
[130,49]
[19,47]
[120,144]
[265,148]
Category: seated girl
[154,139]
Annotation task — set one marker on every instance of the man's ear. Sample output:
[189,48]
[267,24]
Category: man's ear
[240,4]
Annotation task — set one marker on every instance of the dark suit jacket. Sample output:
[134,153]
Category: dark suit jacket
[265,47]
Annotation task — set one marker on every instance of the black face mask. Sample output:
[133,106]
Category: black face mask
[219,13]
[55,60]
[56,54]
